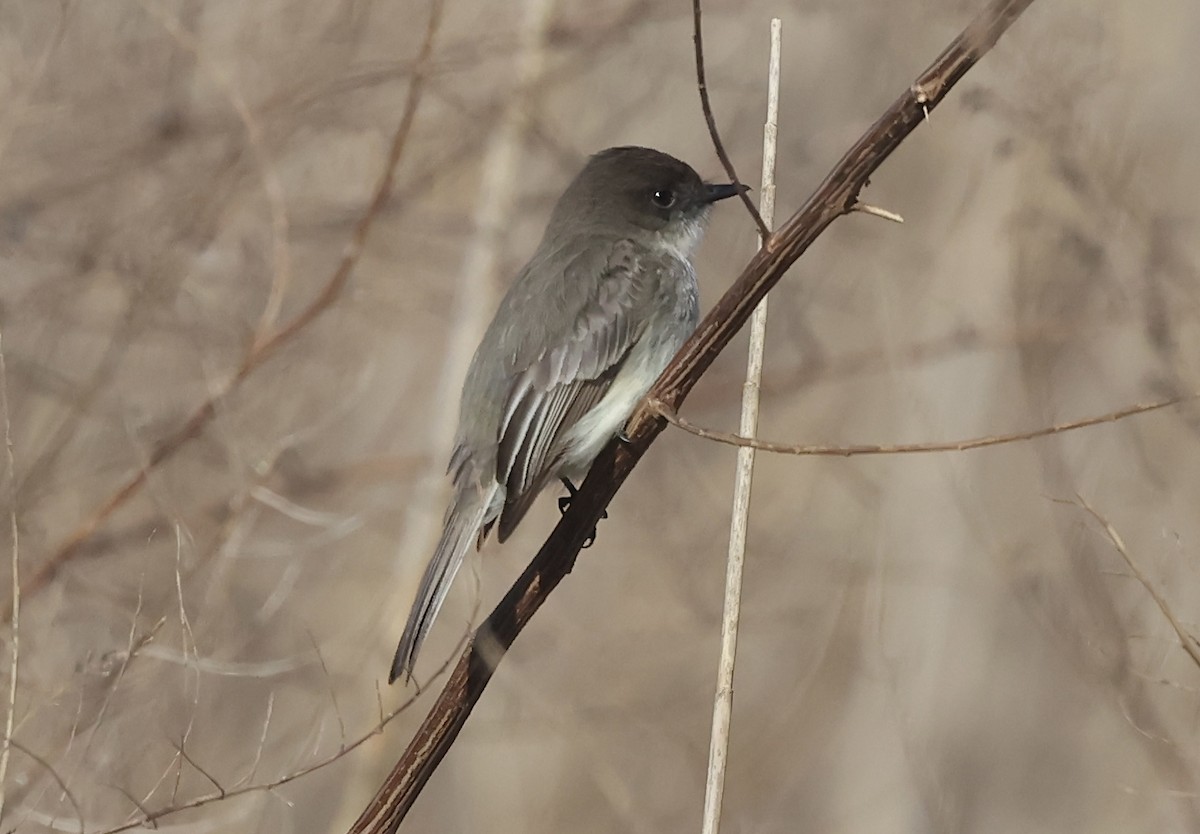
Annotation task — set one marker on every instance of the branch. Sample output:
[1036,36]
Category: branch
[62,785]
[148,818]
[833,198]
[739,515]
[281,253]
[738,440]
[710,120]
[1186,640]
[264,346]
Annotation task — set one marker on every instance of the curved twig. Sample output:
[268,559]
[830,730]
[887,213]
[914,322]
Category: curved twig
[658,407]
[710,120]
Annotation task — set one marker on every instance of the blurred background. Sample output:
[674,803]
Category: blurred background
[931,643]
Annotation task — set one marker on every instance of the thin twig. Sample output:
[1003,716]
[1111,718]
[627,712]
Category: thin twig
[186,637]
[180,748]
[150,818]
[710,120]
[62,785]
[262,740]
[337,711]
[272,185]
[1186,640]
[10,472]
[141,807]
[718,750]
[133,647]
[264,347]
[554,560]
[18,96]
[845,451]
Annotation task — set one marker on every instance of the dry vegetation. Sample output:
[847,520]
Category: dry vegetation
[947,642]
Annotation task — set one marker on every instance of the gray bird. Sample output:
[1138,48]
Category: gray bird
[590,322]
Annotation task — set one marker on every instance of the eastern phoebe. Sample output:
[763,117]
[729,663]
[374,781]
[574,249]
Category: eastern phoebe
[591,321]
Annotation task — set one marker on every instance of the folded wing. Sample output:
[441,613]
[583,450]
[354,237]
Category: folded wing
[553,388]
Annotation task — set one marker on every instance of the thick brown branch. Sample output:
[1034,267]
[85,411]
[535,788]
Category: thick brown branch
[835,196]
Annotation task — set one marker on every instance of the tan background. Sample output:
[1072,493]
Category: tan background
[930,643]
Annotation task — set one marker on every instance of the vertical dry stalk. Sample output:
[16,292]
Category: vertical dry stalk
[11,477]
[714,789]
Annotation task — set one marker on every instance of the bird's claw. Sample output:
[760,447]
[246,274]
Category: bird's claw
[565,501]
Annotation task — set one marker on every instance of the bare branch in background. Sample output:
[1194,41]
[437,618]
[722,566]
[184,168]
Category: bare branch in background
[58,780]
[264,347]
[149,817]
[1186,641]
[281,251]
[833,198]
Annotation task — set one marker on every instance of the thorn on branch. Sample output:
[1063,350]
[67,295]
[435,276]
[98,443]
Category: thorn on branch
[877,212]
[922,96]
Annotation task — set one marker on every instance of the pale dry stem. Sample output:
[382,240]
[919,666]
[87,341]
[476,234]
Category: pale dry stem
[10,470]
[739,522]
[1186,641]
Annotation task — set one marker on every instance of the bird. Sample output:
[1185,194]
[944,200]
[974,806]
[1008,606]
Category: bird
[589,323]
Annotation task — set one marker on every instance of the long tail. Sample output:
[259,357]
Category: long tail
[462,525]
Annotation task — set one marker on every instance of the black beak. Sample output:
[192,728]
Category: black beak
[712,193]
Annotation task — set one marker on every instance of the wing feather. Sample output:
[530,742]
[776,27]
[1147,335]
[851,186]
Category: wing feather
[585,396]
[554,387]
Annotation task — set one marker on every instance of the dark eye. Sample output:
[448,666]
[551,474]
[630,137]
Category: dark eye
[663,198]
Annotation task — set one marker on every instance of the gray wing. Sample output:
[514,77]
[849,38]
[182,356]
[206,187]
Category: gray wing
[554,386]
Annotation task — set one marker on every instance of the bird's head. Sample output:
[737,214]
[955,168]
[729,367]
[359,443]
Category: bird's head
[640,192]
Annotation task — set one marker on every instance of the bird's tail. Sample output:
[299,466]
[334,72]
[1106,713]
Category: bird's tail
[463,522]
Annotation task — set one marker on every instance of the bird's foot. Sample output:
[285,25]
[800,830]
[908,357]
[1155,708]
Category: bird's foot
[565,502]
